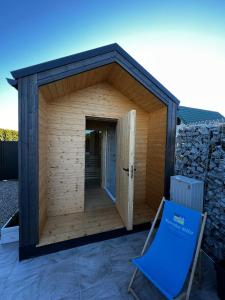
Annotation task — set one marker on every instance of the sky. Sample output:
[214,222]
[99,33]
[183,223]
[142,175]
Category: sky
[181,43]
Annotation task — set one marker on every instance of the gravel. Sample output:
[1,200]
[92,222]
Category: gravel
[8,200]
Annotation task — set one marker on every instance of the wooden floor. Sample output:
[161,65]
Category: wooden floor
[100,215]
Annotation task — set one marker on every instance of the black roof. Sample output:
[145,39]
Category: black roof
[194,115]
[51,64]
[86,55]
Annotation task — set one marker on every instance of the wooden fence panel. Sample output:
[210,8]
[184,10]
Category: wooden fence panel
[8,160]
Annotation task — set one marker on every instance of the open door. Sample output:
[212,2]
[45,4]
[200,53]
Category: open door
[125,167]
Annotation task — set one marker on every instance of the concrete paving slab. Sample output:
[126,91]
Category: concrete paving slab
[96,271]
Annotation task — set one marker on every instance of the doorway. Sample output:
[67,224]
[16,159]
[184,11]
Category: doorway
[109,184]
[109,164]
[100,163]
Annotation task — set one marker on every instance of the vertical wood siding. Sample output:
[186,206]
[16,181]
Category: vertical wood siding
[28,161]
[66,144]
[156,157]
[43,136]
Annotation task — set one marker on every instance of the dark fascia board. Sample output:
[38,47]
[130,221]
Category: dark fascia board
[89,54]
[146,73]
[62,61]
[12,82]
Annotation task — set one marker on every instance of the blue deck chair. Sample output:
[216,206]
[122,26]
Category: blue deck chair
[170,261]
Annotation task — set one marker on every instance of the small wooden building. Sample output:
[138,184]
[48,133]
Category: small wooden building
[96,148]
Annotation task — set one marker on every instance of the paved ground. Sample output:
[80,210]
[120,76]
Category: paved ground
[96,271]
[8,200]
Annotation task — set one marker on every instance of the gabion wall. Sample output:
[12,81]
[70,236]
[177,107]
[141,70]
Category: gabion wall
[200,154]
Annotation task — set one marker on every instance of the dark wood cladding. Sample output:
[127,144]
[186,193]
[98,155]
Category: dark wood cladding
[52,64]
[75,68]
[170,146]
[28,160]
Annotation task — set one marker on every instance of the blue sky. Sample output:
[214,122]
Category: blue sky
[181,43]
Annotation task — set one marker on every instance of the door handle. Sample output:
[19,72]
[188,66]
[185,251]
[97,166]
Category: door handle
[132,171]
[126,170]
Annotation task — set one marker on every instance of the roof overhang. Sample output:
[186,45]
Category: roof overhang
[90,60]
[12,82]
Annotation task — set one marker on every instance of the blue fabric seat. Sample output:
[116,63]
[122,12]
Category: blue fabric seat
[167,261]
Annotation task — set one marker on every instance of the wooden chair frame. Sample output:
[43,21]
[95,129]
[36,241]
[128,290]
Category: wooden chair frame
[186,294]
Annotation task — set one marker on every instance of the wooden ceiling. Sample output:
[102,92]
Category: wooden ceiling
[115,75]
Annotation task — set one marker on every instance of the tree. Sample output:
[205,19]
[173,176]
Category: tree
[8,135]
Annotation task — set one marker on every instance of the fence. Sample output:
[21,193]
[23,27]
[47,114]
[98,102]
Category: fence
[8,160]
[200,154]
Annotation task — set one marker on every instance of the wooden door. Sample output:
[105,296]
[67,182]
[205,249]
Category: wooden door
[125,167]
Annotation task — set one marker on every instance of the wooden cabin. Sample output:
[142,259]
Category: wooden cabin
[96,148]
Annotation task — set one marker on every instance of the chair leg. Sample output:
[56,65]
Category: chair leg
[181,296]
[199,269]
[134,294]
[132,279]
[130,290]
[196,257]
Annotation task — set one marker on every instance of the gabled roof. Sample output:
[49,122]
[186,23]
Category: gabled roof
[128,63]
[195,115]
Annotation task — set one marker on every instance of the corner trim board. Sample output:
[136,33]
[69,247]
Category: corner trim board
[28,160]
[170,146]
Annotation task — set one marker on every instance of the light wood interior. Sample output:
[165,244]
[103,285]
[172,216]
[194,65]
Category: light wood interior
[100,215]
[115,75]
[106,92]
[66,144]
[156,157]
[125,159]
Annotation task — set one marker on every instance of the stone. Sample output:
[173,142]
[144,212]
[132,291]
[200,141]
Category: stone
[200,154]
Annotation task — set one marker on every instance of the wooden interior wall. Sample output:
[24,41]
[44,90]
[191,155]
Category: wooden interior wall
[156,157]
[115,75]
[42,113]
[66,144]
